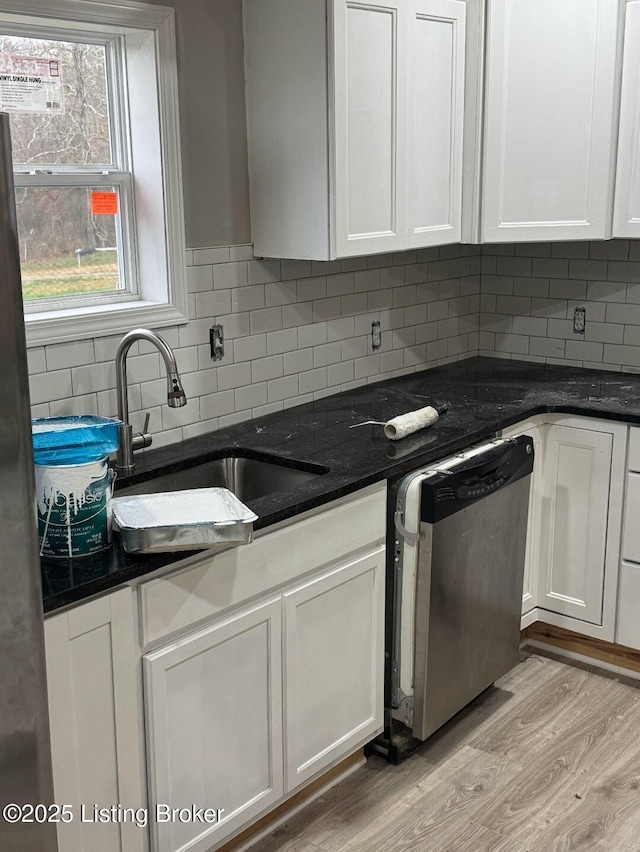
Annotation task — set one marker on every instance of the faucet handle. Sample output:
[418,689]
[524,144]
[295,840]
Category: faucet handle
[143,439]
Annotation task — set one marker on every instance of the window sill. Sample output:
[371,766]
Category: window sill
[99,321]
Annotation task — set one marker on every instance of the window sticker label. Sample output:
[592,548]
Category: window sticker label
[104,203]
[30,84]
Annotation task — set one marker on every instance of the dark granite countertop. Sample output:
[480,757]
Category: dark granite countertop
[484,396]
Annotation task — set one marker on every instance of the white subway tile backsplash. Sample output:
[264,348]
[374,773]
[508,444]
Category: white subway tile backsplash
[295,269]
[298,362]
[297,315]
[199,279]
[69,354]
[293,331]
[282,341]
[247,299]
[250,348]
[340,285]
[86,404]
[228,275]
[54,385]
[251,396]
[209,256]
[234,376]
[312,380]
[217,404]
[267,368]
[87,379]
[235,325]
[280,293]
[240,253]
[546,347]
[312,335]
[283,388]
[602,277]
[337,374]
[36,360]
[213,303]
[543,267]
[583,351]
[328,309]
[264,271]
[328,353]
[310,289]
[269,319]
[606,332]
[173,418]
[620,271]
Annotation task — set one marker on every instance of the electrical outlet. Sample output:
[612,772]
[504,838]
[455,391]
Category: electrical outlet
[376,335]
[216,342]
[579,320]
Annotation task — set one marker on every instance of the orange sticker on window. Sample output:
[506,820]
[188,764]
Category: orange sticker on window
[104,203]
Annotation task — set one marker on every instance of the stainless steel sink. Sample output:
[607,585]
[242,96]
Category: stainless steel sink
[248,478]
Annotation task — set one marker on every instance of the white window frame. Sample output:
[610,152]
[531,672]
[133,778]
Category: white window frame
[149,37]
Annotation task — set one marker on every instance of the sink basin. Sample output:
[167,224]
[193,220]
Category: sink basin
[248,478]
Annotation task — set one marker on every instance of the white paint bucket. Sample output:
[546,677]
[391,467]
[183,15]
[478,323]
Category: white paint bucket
[74,508]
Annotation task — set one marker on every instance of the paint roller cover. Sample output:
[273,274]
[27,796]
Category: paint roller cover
[413,421]
[77,439]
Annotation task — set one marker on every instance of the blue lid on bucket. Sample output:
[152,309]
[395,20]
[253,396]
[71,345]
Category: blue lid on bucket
[75,439]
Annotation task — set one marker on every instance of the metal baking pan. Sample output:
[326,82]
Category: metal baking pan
[193,519]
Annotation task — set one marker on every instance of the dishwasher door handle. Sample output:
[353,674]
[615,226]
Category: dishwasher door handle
[403,532]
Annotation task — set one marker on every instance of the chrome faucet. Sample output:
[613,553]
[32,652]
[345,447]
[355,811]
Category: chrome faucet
[175,395]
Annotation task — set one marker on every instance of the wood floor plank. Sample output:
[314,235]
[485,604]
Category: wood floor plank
[527,725]
[606,818]
[475,720]
[546,761]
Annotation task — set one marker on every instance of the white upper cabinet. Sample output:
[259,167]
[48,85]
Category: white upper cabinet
[626,216]
[549,119]
[355,124]
[436,47]
[369,43]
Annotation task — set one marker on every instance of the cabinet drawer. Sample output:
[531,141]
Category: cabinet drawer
[216,583]
[631,535]
[634,448]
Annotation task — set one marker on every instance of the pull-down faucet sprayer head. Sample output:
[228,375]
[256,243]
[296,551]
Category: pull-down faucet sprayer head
[176,396]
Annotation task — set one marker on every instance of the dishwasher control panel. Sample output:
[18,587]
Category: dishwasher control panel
[451,490]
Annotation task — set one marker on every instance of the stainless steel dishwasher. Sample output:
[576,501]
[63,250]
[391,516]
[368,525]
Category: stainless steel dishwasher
[458,560]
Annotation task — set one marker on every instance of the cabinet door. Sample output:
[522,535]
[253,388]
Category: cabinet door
[369,52]
[549,116]
[626,216]
[575,494]
[436,44]
[334,661]
[95,713]
[214,712]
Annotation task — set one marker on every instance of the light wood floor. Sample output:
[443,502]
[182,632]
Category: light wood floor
[548,760]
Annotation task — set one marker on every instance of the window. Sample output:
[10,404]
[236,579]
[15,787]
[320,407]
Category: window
[90,87]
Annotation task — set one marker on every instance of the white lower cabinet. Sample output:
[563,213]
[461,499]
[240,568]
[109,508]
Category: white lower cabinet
[575,514]
[260,667]
[573,534]
[264,668]
[217,734]
[95,716]
[333,661]
[628,626]
[214,710]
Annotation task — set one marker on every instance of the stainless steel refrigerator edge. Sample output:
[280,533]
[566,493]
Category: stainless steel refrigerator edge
[25,755]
